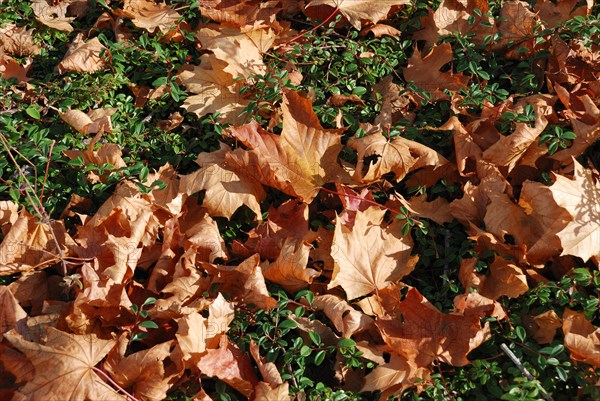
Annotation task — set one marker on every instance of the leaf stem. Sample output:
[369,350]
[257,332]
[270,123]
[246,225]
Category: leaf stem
[111,381]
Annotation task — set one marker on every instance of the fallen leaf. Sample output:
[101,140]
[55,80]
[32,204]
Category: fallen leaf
[370,256]
[150,15]
[504,279]
[580,197]
[64,367]
[226,188]
[53,14]
[582,339]
[357,10]
[425,72]
[379,30]
[346,320]
[18,41]
[297,162]
[94,121]
[231,365]
[213,89]
[12,316]
[290,269]
[422,334]
[90,56]
[542,327]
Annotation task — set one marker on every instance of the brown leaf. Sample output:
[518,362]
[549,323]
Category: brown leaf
[453,16]
[145,372]
[504,279]
[379,30]
[266,392]
[240,50]
[297,162]
[290,269]
[12,316]
[213,89]
[53,14]
[355,11]
[150,15]
[83,56]
[516,28]
[226,188]
[10,68]
[580,197]
[553,14]
[424,334]
[370,257]
[582,339]
[231,365]
[394,377]
[344,317]
[243,283]
[268,370]
[340,100]
[64,367]
[425,72]
[542,327]
[94,121]
[18,41]
[399,156]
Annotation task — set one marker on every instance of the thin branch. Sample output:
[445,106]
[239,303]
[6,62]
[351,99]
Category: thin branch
[326,20]
[524,370]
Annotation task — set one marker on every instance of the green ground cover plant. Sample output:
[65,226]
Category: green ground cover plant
[324,200]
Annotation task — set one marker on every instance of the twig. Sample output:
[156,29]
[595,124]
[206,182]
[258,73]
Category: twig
[111,381]
[524,370]
[37,204]
[326,20]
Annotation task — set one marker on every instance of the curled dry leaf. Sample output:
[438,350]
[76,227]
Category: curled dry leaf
[582,339]
[346,320]
[53,14]
[10,68]
[91,123]
[542,327]
[12,315]
[18,41]
[504,279]
[90,56]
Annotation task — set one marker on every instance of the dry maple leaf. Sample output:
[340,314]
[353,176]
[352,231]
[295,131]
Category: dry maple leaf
[422,334]
[241,51]
[226,188]
[64,367]
[425,72]
[370,257]
[553,14]
[145,372]
[231,365]
[150,15]
[542,327]
[453,16]
[12,315]
[357,10]
[582,339]
[29,243]
[53,14]
[399,156]
[214,90]
[581,198]
[517,29]
[84,56]
[297,162]
[243,13]
[504,278]
[10,68]
[18,41]
[394,377]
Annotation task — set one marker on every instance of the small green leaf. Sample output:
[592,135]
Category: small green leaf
[149,324]
[315,337]
[288,324]
[320,357]
[346,342]
[305,351]
[33,111]
[139,336]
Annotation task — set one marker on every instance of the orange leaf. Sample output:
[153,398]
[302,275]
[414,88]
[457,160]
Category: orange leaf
[582,339]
